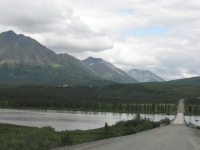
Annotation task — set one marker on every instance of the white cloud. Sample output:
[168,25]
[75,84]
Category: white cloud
[70,44]
[55,24]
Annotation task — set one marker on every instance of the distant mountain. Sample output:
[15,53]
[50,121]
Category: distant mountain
[186,81]
[107,71]
[24,60]
[144,76]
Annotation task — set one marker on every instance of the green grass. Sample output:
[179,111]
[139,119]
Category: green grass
[15,137]
[55,65]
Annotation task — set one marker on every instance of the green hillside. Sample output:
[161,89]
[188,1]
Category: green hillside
[24,60]
[186,81]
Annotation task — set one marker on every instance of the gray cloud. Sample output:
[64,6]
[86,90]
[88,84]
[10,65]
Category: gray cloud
[61,30]
[31,15]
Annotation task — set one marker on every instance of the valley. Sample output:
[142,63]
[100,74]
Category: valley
[99,75]
[35,78]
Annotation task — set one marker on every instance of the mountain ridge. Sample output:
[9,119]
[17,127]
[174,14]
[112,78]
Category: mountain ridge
[108,71]
[144,76]
[185,81]
[26,60]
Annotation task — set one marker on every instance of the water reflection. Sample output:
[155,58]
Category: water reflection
[71,120]
[157,117]
[192,120]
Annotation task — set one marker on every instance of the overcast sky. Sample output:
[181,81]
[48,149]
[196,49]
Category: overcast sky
[162,36]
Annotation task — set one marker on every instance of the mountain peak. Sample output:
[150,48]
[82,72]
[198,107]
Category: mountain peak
[9,33]
[24,60]
[92,60]
[10,37]
[107,71]
[144,75]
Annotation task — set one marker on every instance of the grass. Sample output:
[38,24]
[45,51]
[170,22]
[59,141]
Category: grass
[15,137]
[54,65]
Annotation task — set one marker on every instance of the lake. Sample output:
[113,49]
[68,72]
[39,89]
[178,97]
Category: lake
[71,120]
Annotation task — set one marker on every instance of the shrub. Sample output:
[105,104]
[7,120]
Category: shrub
[165,121]
[49,128]
[66,139]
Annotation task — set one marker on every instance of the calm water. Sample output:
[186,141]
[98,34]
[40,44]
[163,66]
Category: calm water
[70,120]
[192,119]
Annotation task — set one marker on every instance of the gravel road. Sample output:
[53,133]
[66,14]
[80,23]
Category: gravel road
[176,136]
[180,113]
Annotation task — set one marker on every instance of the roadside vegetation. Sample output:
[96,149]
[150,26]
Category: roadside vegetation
[14,137]
[165,121]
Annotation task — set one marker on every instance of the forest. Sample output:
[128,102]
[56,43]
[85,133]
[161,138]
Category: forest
[146,98]
[192,106]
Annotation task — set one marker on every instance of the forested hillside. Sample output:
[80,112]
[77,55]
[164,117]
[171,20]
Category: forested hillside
[186,81]
[116,97]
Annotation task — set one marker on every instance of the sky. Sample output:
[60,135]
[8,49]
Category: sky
[162,36]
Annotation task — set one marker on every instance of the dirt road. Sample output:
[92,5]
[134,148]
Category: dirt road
[176,136]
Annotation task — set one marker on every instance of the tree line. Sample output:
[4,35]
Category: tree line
[77,98]
[193,105]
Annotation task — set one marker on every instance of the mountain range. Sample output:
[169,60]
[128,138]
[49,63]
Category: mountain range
[144,76]
[24,60]
[108,71]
